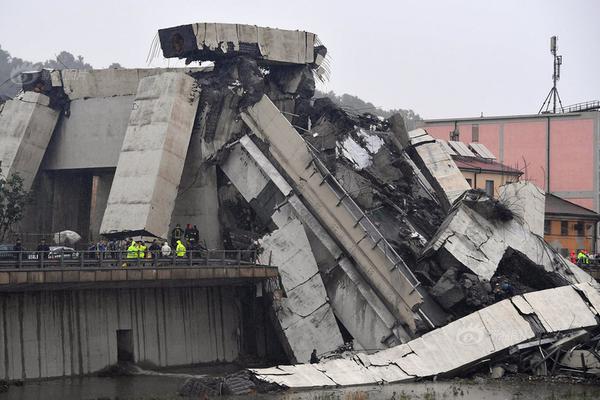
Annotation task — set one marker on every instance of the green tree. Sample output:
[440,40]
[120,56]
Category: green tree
[13,199]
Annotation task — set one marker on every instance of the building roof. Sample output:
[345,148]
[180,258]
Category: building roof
[558,206]
[484,165]
[594,113]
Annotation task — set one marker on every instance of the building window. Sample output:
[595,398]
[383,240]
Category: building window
[547,227]
[470,182]
[489,187]
[564,228]
[474,133]
[578,227]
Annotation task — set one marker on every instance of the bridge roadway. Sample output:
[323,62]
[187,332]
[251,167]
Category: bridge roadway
[33,270]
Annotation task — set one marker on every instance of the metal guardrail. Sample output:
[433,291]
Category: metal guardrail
[362,220]
[119,259]
[585,106]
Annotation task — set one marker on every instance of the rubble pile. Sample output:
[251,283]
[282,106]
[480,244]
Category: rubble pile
[378,237]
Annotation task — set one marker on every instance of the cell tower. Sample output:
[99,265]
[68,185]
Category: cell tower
[553,94]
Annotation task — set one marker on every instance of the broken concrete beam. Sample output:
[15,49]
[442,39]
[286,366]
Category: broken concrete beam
[468,239]
[345,221]
[437,166]
[527,202]
[305,315]
[214,41]
[373,326]
[142,196]
[110,82]
[461,344]
[26,126]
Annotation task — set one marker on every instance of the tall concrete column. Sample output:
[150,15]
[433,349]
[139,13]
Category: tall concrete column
[101,184]
[142,196]
[26,125]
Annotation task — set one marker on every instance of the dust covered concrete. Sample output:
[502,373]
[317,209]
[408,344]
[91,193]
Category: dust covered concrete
[380,242]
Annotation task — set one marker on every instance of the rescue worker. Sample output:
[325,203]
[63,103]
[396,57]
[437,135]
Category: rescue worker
[141,249]
[176,234]
[180,249]
[582,258]
[314,359]
[166,250]
[189,235]
[132,250]
[154,249]
[573,257]
[132,253]
[587,257]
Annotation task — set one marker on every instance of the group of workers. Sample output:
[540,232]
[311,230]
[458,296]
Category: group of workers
[138,249]
[181,240]
[190,236]
[582,258]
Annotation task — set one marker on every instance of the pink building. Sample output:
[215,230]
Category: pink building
[558,152]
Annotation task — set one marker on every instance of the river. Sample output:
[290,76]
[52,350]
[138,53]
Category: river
[165,385]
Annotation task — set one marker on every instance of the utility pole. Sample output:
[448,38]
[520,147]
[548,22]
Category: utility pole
[553,95]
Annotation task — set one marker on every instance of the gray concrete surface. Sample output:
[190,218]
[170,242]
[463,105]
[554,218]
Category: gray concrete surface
[290,151]
[437,166]
[215,39]
[355,303]
[142,196]
[60,333]
[305,315]
[527,202]
[461,343]
[26,125]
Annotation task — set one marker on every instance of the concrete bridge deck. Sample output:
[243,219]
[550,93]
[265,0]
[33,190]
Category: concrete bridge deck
[92,270]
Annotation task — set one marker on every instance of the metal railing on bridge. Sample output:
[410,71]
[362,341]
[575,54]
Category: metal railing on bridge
[123,259]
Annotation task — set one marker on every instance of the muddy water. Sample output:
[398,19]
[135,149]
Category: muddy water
[165,387]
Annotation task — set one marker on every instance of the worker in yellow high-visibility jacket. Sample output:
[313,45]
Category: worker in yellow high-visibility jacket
[141,249]
[132,250]
[180,249]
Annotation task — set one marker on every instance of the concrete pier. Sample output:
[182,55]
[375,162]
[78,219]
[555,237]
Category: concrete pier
[26,125]
[142,196]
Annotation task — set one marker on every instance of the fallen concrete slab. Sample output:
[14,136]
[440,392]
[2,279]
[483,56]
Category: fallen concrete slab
[354,302]
[304,315]
[437,165]
[527,202]
[455,347]
[142,196]
[26,126]
[344,220]
[469,239]
[214,41]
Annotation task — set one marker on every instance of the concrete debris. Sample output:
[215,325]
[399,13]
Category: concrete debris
[462,345]
[437,165]
[527,201]
[481,253]
[381,244]
[26,125]
[343,218]
[152,156]
[215,41]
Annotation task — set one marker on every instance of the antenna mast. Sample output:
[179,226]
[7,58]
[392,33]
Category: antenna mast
[553,94]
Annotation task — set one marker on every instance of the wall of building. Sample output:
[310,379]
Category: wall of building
[61,333]
[572,240]
[478,180]
[559,153]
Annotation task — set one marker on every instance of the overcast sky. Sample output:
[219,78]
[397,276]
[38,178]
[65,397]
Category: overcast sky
[440,58]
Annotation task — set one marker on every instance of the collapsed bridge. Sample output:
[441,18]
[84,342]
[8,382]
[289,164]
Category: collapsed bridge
[374,229]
